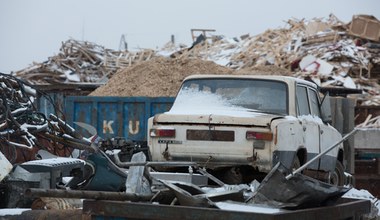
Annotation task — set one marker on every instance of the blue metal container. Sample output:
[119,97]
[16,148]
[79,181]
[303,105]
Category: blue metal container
[115,116]
[51,103]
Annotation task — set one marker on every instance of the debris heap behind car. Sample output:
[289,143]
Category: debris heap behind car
[324,50]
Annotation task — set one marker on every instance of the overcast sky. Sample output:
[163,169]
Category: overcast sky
[33,30]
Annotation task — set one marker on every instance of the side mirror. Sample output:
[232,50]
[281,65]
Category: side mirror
[326,109]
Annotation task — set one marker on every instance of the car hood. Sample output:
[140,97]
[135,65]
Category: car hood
[245,118]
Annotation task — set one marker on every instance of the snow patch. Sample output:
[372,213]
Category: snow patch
[310,118]
[206,103]
[16,211]
[71,76]
[53,161]
[244,207]
[363,194]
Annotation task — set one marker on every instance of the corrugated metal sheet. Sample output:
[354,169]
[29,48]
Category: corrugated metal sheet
[116,116]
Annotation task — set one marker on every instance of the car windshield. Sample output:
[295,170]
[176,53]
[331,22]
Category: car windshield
[266,96]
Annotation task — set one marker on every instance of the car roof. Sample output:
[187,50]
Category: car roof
[287,79]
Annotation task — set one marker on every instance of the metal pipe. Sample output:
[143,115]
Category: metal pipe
[150,164]
[213,178]
[321,154]
[168,164]
[66,127]
[70,142]
[86,194]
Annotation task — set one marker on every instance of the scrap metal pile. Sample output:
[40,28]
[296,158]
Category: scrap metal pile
[24,131]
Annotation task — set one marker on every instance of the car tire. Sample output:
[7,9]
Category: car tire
[337,177]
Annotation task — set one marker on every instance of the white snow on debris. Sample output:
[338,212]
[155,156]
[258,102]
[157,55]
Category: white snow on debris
[113,152]
[359,194]
[165,53]
[30,90]
[73,77]
[16,211]
[363,194]
[310,118]
[245,207]
[52,161]
[17,111]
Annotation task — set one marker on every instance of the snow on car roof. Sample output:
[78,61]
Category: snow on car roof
[286,79]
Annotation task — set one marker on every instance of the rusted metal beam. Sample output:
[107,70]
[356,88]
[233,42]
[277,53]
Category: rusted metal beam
[71,142]
[86,194]
[346,209]
[152,164]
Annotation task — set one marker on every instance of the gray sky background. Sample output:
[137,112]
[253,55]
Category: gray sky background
[33,30]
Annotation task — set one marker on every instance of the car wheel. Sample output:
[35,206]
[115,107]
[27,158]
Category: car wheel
[337,177]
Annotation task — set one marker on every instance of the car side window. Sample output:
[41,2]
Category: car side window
[302,101]
[314,103]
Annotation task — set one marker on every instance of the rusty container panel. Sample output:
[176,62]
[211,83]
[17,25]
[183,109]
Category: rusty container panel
[362,112]
[115,116]
[367,175]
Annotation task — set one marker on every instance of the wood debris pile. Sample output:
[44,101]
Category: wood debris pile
[323,50]
[23,130]
[81,61]
[372,123]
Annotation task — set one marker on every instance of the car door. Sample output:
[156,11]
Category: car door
[325,134]
[311,132]
[328,135]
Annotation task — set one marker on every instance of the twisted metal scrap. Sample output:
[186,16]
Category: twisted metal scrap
[23,130]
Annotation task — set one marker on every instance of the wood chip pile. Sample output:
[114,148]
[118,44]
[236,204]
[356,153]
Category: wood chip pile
[157,77]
